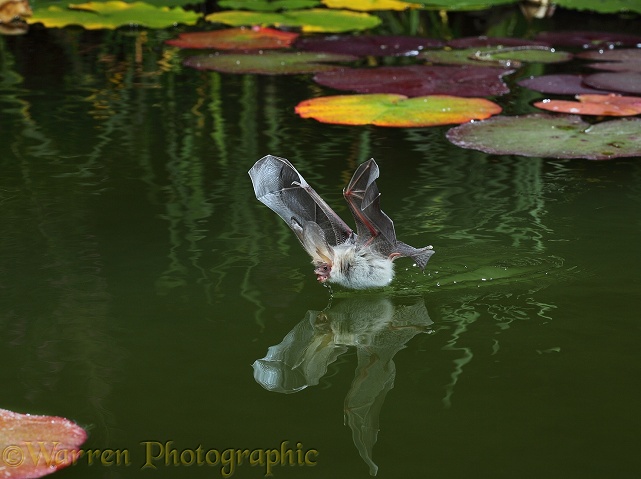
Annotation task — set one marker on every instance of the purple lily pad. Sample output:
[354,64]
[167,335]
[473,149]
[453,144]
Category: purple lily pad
[419,80]
[616,66]
[367,45]
[551,136]
[623,59]
[586,39]
[483,41]
[561,84]
[268,62]
[626,82]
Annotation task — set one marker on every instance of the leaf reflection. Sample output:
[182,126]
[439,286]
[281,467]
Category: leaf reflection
[376,327]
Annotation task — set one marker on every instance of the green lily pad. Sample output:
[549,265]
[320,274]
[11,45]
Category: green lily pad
[600,6]
[268,6]
[501,57]
[371,5]
[256,38]
[396,110]
[113,14]
[268,63]
[312,20]
[551,136]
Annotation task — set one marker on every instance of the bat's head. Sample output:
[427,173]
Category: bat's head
[323,271]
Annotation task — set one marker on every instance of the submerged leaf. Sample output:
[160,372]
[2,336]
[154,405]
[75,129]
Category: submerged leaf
[312,20]
[396,110]
[364,45]
[235,39]
[268,63]
[602,105]
[551,136]
[419,80]
[22,436]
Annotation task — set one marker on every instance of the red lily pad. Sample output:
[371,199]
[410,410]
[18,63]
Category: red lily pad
[396,110]
[561,84]
[587,39]
[268,63]
[626,82]
[500,57]
[255,38]
[483,41]
[602,105]
[419,80]
[367,45]
[34,446]
[551,136]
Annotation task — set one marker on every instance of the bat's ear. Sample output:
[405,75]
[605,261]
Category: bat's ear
[315,244]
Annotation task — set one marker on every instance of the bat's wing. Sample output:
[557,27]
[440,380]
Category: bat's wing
[363,198]
[372,225]
[280,186]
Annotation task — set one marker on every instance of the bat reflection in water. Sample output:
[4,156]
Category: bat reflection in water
[356,260]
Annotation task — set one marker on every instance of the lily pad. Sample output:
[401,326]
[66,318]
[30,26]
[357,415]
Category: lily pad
[396,110]
[483,41]
[600,6]
[551,136]
[419,80]
[23,437]
[623,59]
[501,57]
[370,5]
[268,63]
[561,84]
[113,14]
[602,105]
[236,39]
[268,5]
[589,39]
[312,20]
[367,45]
[626,82]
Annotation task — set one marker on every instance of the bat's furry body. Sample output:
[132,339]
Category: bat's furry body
[356,260]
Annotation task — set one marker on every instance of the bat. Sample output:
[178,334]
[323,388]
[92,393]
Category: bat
[358,260]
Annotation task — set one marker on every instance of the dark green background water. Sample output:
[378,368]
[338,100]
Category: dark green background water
[140,279]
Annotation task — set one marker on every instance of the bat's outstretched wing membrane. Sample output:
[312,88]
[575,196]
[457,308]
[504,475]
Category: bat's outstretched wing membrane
[281,187]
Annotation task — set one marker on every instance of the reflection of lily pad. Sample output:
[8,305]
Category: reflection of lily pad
[561,84]
[627,82]
[551,136]
[312,20]
[363,45]
[235,39]
[268,63]
[602,105]
[113,14]
[268,5]
[589,39]
[370,5]
[396,110]
[419,80]
[503,57]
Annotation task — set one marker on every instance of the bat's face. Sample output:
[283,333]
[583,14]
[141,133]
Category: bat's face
[323,271]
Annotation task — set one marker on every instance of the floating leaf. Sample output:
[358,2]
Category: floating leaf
[396,110]
[600,6]
[463,5]
[626,82]
[589,39]
[113,14]
[419,80]
[268,5]
[561,84]
[551,136]
[623,59]
[268,63]
[603,105]
[23,436]
[364,45]
[235,39]
[312,20]
[483,41]
[502,57]
[370,5]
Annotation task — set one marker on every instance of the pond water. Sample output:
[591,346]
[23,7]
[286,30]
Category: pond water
[141,280]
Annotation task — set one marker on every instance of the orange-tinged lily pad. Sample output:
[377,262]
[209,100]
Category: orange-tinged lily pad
[602,105]
[255,38]
[396,110]
[34,446]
